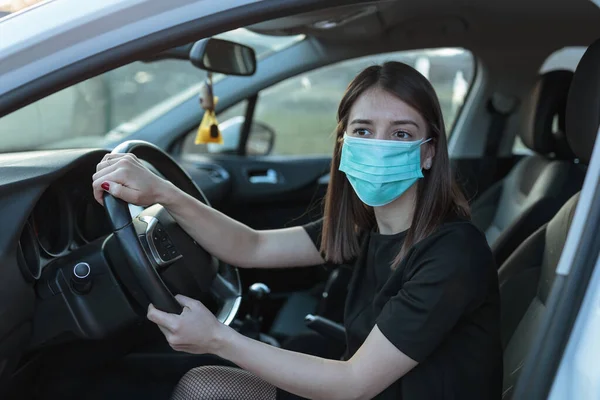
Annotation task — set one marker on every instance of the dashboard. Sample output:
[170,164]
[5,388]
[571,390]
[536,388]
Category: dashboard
[41,194]
[65,217]
[50,222]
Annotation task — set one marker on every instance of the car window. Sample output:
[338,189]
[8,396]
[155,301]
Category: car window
[565,58]
[90,109]
[119,102]
[301,111]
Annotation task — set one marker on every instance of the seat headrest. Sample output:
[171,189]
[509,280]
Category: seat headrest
[547,101]
[583,104]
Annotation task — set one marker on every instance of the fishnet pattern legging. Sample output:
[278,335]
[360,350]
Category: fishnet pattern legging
[214,382]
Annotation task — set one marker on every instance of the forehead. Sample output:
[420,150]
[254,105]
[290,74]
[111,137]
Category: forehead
[378,105]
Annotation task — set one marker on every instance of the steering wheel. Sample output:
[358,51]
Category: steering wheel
[153,244]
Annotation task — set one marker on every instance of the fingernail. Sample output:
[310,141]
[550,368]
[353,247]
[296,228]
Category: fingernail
[105,186]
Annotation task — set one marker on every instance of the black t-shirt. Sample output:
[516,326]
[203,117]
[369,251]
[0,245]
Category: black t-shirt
[440,307]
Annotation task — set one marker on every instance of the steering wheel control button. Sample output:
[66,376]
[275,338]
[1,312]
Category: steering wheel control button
[161,246]
[81,279]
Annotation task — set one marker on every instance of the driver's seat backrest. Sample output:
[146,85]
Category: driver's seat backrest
[527,275]
[525,282]
[539,184]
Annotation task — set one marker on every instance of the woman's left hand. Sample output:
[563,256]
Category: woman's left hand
[192,331]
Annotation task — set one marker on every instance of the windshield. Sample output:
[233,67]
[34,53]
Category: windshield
[117,103]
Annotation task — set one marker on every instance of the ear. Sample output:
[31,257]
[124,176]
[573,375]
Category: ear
[428,154]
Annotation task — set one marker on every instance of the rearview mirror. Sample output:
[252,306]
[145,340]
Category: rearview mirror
[223,56]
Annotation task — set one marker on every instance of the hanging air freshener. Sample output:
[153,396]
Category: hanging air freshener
[208,131]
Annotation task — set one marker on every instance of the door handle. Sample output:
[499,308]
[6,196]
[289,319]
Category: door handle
[269,176]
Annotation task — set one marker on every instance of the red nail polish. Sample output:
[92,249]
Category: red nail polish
[105,186]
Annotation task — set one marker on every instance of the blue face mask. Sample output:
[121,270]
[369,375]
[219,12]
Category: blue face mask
[380,170]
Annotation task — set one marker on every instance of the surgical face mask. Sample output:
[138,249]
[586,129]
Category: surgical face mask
[380,170]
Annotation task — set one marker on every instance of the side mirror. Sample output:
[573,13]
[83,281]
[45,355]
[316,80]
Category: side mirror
[260,140]
[223,56]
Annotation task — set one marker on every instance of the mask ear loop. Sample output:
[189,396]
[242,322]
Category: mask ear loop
[342,138]
[428,163]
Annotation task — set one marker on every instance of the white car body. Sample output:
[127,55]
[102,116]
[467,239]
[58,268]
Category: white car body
[56,34]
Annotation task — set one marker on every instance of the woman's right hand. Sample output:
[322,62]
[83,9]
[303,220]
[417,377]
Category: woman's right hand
[125,177]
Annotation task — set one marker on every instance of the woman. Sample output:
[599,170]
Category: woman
[422,313]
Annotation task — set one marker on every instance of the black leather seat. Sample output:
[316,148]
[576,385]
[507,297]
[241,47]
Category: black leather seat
[538,185]
[525,282]
[527,275]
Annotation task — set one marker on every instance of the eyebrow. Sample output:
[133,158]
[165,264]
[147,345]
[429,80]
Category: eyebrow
[397,122]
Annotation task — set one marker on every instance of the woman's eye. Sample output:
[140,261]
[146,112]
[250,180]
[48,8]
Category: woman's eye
[402,135]
[360,132]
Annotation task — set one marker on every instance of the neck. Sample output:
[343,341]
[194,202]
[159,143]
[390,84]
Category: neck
[397,216]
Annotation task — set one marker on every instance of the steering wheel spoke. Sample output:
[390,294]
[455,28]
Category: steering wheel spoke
[228,295]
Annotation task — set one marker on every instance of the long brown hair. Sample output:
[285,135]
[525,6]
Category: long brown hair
[438,196]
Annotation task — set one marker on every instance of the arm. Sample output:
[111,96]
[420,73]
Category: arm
[244,246]
[125,177]
[376,365]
